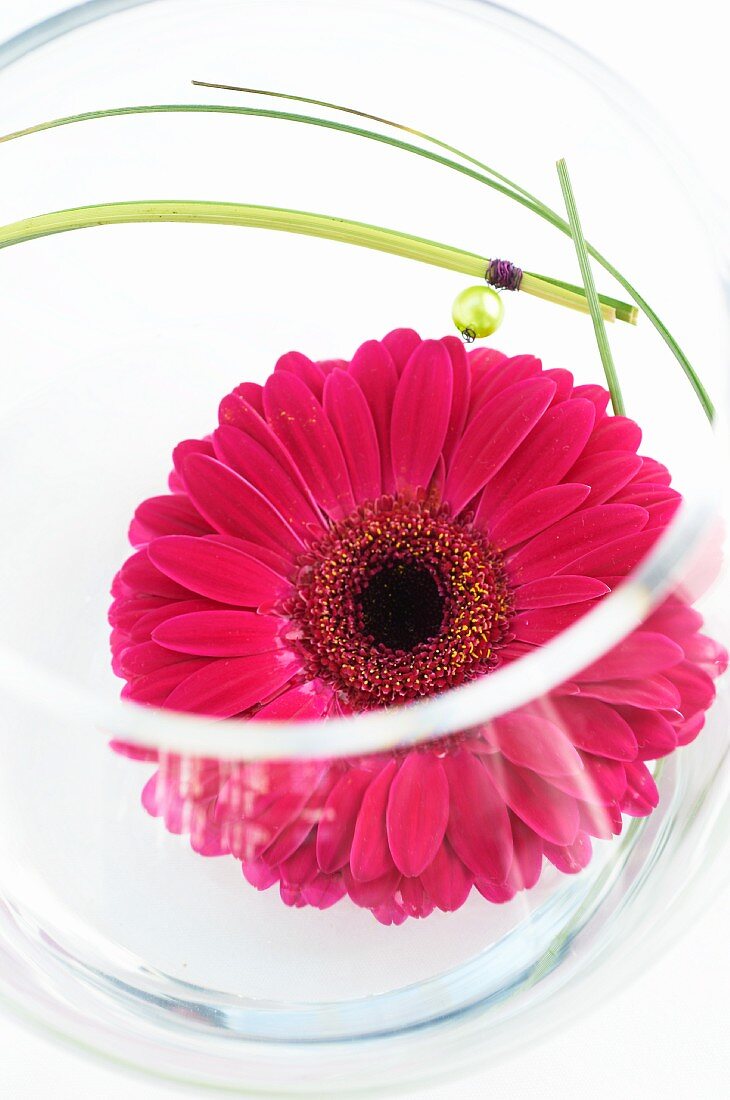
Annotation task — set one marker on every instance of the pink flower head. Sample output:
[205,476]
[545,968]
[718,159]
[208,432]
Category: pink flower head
[363,534]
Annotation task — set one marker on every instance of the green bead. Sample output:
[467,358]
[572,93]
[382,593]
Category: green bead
[477,311]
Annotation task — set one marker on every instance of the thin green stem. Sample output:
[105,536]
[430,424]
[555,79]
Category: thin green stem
[547,289]
[245,214]
[624,312]
[609,369]
[519,194]
[496,180]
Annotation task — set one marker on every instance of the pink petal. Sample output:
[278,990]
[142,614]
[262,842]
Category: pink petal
[259,875]
[373,369]
[252,393]
[308,372]
[538,626]
[596,728]
[138,660]
[299,421]
[219,633]
[350,416]
[413,898]
[337,827]
[530,516]
[133,752]
[653,472]
[661,513]
[142,629]
[527,860]
[653,692]
[306,702]
[323,891]
[300,867]
[370,856]
[558,591]
[263,554]
[417,813]
[236,412]
[482,360]
[140,574]
[618,558]
[254,787]
[165,515]
[695,686]
[570,858]
[259,468]
[688,731]
[552,814]
[374,891]
[496,892]
[642,653]
[597,395]
[600,821]
[502,376]
[654,735]
[190,447]
[290,839]
[606,473]
[126,611]
[710,655]
[542,459]
[461,392]
[230,686]
[438,481]
[217,571]
[674,618]
[328,365]
[564,543]
[234,507]
[641,795]
[602,780]
[492,436]
[401,343]
[154,688]
[638,492]
[614,433]
[533,742]
[446,880]
[478,828]
[563,380]
[421,412]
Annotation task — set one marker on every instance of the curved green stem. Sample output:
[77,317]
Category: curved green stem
[474,169]
[599,328]
[519,194]
[246,214]
[551,290]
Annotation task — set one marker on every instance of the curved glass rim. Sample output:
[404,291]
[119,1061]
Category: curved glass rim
[470,704]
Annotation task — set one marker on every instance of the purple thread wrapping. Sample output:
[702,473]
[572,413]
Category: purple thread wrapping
[504,275]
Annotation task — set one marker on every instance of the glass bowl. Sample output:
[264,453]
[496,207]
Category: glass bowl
[120,341]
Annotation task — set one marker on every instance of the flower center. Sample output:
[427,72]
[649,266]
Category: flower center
[402,606]
[399,601]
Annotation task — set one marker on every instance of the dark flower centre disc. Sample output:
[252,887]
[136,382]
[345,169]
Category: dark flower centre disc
[402,606]
[399,601]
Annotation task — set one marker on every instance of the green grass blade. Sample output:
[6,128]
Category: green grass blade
[311,120]
[246,214]
[486,175]
[624,311]
[599,327]
[526,198]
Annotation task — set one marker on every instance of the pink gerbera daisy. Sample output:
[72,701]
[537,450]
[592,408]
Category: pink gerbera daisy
[360,534]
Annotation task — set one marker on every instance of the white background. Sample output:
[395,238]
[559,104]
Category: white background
[667,1035]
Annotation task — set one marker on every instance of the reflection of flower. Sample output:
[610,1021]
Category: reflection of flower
[361,534]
